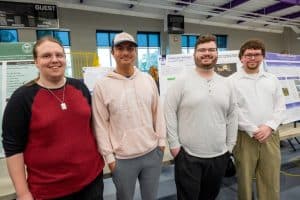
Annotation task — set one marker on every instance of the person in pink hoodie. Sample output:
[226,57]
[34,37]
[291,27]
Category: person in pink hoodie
[129,123]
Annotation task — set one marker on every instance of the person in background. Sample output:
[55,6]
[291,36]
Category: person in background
[129,123]
[154,73]
[47,131]
[261,105]
[201,118]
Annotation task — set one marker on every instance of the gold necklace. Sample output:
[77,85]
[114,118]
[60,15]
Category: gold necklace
[63,104]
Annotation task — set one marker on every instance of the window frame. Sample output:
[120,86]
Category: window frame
[189,48]
[108,47]
[148,47]
[16,34]
[52,34]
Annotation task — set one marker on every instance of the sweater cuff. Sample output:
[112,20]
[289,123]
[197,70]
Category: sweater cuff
[272,125]
[174,144]
[162,142]
[110,158]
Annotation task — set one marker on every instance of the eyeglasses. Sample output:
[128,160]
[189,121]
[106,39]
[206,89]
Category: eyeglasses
[49,56]
[250,56]
[203,50]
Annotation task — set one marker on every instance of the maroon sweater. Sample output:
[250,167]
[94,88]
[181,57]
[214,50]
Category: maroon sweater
[59,147]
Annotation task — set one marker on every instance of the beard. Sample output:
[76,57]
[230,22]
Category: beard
[251,67]
[210,66]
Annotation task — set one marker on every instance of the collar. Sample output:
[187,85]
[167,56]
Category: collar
[260,74]
[213,77]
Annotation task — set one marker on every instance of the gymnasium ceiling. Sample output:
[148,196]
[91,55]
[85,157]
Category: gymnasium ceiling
[259,15]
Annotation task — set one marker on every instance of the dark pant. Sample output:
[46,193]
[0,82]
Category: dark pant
[199,178]
[93,191]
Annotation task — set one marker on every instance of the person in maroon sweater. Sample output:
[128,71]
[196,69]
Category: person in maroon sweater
[47,131]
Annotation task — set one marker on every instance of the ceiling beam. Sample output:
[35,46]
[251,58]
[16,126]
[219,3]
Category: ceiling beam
[184,2]
[296,2]
[229,5]
[273,8]
[267,10]
[292,15]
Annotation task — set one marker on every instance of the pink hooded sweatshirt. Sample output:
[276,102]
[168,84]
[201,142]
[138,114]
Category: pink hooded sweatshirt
[127,115]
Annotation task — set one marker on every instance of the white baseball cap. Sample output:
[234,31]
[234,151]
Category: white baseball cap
[123,37]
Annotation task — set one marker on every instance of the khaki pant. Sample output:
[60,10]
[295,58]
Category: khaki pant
[259,160]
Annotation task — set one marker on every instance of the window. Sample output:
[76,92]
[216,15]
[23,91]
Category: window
[8,35]
[188,43]
[64,38]
[148,49]
[221,42]
[104,42]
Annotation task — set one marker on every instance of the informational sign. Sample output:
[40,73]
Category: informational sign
[18,73]
[17,68]
[13,75]
[177,64]
[15,14]
[16,51]
[287,70]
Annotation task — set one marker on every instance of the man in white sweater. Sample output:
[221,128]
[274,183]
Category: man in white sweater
[261,105]
[201,117]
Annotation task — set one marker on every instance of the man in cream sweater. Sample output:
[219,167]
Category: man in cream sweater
[129,123]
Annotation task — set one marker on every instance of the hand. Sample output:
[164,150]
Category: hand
[162,148]
[175,151]
[263,133]
[112,166]
[26,196]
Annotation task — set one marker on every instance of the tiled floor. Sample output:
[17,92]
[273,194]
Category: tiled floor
[290,180]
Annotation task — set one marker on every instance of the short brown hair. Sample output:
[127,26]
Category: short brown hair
[204,39]
[41,41]
[253,44]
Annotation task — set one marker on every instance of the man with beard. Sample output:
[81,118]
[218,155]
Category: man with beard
[200,112]
[260,109]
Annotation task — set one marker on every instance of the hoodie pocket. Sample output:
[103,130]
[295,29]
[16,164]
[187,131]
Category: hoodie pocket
[137,141]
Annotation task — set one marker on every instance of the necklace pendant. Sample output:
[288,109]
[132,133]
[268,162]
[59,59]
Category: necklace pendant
[63,106]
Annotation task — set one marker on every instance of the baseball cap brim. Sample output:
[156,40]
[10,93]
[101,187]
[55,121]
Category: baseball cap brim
[122,41]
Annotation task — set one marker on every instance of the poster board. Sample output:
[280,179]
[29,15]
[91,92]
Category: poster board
[92,74]
[17,68]
[174,65]
[14,74]
[287,69]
